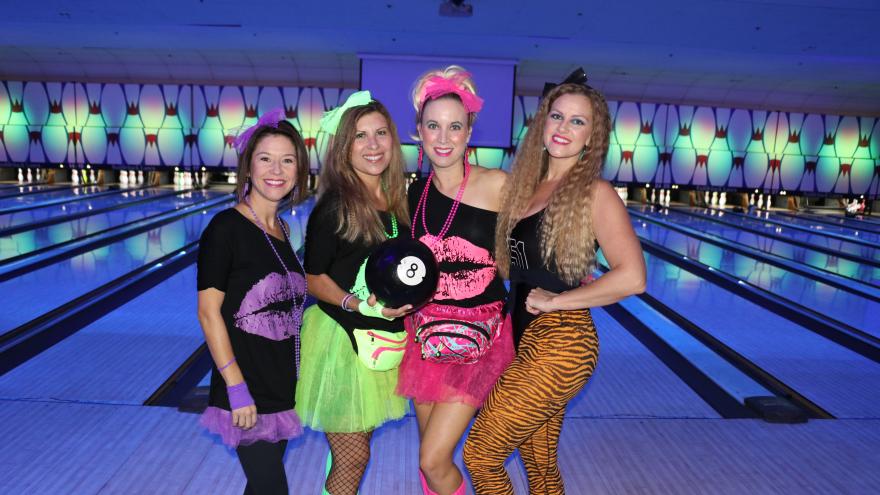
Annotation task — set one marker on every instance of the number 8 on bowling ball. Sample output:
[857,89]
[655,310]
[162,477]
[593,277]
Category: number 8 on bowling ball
[402,271]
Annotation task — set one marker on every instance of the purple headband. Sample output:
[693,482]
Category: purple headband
[437,86]
[269,119]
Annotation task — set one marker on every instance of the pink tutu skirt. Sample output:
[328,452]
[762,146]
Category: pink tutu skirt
[426,381]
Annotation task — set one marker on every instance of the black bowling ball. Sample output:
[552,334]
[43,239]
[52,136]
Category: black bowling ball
[402,271]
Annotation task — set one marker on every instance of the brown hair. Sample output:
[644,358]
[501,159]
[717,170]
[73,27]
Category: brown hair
[567,237]
[287,130]
[355,215]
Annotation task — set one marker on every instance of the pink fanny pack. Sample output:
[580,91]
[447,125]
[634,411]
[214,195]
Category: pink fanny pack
[454,335]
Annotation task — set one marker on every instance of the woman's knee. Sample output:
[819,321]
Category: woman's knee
[433,461]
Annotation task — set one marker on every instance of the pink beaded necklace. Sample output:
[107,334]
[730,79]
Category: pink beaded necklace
[423,200]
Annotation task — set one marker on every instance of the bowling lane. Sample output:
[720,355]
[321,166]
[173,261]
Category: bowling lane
[52,211]
[631,382]
[124,357]
[37,239]
[44,289]
[822,227]
[16,201]
[867,252]
[817,259]
[837,379]
[813,294]
[9,190]
[871,224]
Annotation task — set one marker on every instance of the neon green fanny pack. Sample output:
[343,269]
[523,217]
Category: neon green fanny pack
[380,350]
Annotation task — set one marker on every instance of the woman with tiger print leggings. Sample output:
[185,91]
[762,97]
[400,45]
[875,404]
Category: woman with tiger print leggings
[556,211]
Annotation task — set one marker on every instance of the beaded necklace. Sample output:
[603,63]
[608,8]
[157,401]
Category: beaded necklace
[297,307]
[393,233]
[423,200]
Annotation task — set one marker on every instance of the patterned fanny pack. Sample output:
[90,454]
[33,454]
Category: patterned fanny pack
[453,335]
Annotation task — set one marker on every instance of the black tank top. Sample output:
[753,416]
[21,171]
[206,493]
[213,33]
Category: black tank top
[468,274]
[527,271]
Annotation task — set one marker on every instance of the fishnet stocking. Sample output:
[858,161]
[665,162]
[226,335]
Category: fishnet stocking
[351,453]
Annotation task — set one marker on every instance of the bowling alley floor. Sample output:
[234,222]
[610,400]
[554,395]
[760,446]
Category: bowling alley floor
[70,447]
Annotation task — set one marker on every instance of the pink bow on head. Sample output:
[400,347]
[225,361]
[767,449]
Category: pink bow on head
[270,118]
[437,86]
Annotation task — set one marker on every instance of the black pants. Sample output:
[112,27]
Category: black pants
[263,465]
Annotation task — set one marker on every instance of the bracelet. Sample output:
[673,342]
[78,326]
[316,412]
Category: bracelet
[345,300]
[226,365]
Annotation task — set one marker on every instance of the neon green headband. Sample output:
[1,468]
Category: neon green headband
[331,118]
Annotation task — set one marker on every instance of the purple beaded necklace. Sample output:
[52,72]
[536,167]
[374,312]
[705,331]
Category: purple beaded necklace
[297,308]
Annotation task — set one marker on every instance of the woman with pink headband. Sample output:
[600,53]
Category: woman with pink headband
[459,343]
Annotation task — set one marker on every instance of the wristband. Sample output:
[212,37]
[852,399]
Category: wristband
[226,365]
[239,396]
[374,311]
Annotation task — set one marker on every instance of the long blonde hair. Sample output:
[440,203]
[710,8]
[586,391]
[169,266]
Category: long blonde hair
[356,219]
[567,237]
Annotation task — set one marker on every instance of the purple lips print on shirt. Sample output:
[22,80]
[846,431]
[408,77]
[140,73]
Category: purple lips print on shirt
[259,313]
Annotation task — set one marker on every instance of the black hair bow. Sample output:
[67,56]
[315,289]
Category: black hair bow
[576,77]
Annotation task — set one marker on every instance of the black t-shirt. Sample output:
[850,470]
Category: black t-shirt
[328,253]
[468,275]
[262,307]
[528,271]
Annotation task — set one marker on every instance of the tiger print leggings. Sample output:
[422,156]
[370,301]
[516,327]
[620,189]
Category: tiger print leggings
[556,357]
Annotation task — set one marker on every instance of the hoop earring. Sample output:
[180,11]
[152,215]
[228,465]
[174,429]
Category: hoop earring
[583,152]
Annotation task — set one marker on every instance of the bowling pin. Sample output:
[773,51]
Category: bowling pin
[30,176]
[140,177]
[74,176]
[92,177]
[230,178]
[123,177]
[714,198]
[20,177]
[722,201]
[751,199]
[706,198]
[769,202]
[668,197]
[653,196]
[760,203]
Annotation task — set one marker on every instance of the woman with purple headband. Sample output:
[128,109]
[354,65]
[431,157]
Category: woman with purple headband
[251,295]
[454,214]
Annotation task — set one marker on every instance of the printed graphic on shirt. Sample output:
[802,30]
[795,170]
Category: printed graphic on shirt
[465,269]
[518,254]
[272,308]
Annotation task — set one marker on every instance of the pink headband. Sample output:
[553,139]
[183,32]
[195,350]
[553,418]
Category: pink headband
[437,86]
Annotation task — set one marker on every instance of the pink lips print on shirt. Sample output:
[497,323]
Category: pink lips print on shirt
[466,282]
[255,316]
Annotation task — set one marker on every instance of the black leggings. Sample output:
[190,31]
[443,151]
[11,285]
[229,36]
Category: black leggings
[263,465]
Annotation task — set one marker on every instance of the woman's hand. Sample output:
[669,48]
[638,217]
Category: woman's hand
[245,417]
[389,313]
[540,301]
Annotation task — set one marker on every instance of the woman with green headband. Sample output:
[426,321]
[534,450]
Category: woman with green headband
[351,345]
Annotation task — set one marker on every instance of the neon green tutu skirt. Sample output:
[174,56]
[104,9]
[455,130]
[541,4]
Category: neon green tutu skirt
[335,392]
